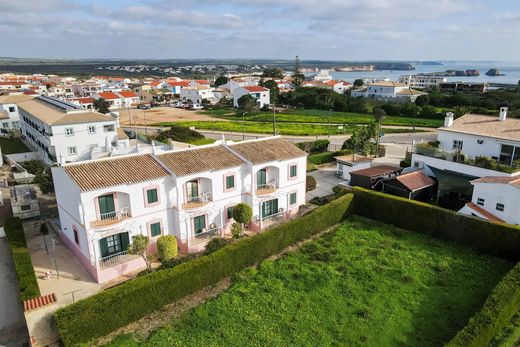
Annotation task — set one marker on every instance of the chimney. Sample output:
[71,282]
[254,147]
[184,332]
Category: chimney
[448,120]
[503,114]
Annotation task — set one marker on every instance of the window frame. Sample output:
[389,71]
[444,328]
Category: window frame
[147,192]
[291,194]
[69,131]
[74,152]
[457,145]
[291,166]
[226,177]
[89,128]
[500,207]
[151,227]
[481,201]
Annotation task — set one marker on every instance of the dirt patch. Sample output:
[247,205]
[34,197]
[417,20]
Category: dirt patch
[130,117]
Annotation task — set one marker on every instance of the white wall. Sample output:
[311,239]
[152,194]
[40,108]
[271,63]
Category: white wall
[494,193]
[263,98]
[490,147]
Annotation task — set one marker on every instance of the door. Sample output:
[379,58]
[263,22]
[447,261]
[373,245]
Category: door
[199,224]
[192,190]
[269,208]
[261,178]
[106,206]
[114,244]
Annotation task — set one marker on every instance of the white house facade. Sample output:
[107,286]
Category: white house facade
[388,90]
[9,112]
[187,193]
[422,81]
[197,94]
[261,94]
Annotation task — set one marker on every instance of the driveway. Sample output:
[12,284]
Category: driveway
[325,180]
[13,329]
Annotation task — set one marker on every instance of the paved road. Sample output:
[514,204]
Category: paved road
[13,329]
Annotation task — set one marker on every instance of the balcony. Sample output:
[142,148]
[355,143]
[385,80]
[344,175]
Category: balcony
[203,237]
[110,218]
[264,189]
[197,201]
[116,259]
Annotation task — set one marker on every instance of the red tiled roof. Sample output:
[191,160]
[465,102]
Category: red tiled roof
[202,81]
[108,95]
[127,94]
[178,84]
[155,83]
[85,100]
[256,89]
[484,213]
[31,304]
[30,92]
[415,180]
[514,180]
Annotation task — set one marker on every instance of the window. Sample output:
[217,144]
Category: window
[114,244]
[500,207]
[457,145]
[91,129]
[269,208]
[25,207]
[12,109]
[107,128]
[155,229]
[292,198]
[15,124]
[76,235]
[229,212]
[199,224]
[230,182]
[293,171]
[72,150]
[69,131]
[509,154]
[480,201]
[152,196]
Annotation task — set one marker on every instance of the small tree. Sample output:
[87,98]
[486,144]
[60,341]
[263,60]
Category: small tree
[236,230]
[221,80]
[242,213]
[167,247]
[273,88]
[247,103]
[358,83]
[101,105]
[139,246]
[310,183]
[422,100]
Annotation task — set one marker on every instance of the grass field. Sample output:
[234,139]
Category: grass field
[365,283]
[320,116]
[296,129]
[12,146]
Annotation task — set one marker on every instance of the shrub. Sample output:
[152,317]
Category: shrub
[497,239]
[180,134]
[168,264]
[236,230]
[113,308]
[496,313]
[242,213]
[22,260]
[167,247]
[317,146]
[310,183]
[326,157]
[215,244]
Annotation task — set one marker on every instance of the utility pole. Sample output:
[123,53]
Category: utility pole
[274,121]
[145,126]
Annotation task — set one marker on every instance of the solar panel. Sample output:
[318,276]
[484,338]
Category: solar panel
[62,105]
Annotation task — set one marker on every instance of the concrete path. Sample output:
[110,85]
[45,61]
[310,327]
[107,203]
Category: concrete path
[325,180]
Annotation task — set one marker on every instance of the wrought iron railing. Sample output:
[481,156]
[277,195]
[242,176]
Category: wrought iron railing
[111,217]
[115,259]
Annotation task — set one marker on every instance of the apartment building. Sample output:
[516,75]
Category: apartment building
[64,132]
[9,113]
[187,193]
[261,94]
[87,89]
[422,81]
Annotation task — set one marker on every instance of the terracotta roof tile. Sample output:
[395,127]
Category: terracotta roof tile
[491,126]
[115,171]
[191,161]
[415,180]
[514,180]
[108,95]
[127,94]
[484,213]
[376,171]
[266,150]
[255,89]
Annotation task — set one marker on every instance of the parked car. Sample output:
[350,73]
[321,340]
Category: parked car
[143,106]
[131,134]
[196,107]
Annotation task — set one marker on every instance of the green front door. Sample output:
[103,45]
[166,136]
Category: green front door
[192,190]
[261,178]
[199,223]
[113,244]
[269,208]
[106,206]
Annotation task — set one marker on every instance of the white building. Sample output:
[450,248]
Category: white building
[24,202]
[422,81]
[351,162]
[9,113]
[187,193]
[197,94]
[115,101]
[236,82]
[261,94]
[496,199]
[128,98]
[388,90]
[60,92]
[64,132]
[87,89]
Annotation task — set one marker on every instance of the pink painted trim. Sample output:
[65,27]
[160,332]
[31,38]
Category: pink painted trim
[149,228]
[289,171]
[193,223]
[82,258]
[145,195]
[186,188]
[96,202]
[226,190]
[228,219]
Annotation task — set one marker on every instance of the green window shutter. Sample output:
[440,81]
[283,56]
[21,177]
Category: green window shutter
[124,241]
[151,195]
[155,229]
[293,171]
[199,223]
[103,246]
[230,182]
[292,199]
[229,212]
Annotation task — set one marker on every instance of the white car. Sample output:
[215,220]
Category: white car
[196,107]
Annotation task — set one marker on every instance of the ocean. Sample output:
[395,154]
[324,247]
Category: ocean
[510,70]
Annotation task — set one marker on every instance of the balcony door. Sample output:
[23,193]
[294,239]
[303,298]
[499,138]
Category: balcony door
[199,224]
[261,178]
[106,206]
[269,208]
[192,190]
[114,244]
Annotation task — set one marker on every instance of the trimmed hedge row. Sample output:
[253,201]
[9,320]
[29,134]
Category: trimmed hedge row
[498,310]
[497,239]
[22,259]
[111,309]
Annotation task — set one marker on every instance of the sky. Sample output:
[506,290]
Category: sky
[262,29]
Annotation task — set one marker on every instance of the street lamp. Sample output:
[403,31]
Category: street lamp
[243,126]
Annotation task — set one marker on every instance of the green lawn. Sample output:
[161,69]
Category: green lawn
[320,116]
[295,129]
[12,146]
[365,283]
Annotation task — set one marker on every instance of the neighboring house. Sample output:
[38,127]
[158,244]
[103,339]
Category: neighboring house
[464,86]
[199,83]
[236,82]
[197,94]
[388,90]
[9,113]
[412,185]
[261,94]
[128,98]
[370,177]
[87,89]
[496,199]
[62,131]
[112,98]
[188,193]
[85,102]
[60,92]
[422,81]
[351,162]
[176,86]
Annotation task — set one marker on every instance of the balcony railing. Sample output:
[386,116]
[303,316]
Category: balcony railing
[268,188]
[275,216]
[205,235]
[111,217]
[116,259]
[197,201]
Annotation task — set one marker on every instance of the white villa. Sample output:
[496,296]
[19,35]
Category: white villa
[187,193]
[388,90]
[422,81]
[261,94]
[197,94]
[64,132]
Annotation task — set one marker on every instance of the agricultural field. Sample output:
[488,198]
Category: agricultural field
[364,283]
[12,146]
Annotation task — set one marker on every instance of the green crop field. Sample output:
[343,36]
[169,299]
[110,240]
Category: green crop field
[12,146]
[364,283]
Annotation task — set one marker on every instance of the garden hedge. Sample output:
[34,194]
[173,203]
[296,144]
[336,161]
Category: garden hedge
[22,259]
[98,315]
[498,310]
[497,239]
